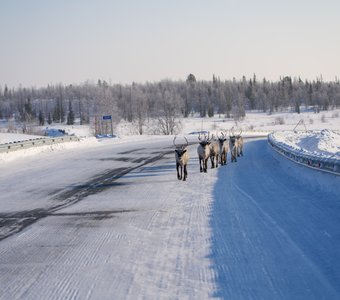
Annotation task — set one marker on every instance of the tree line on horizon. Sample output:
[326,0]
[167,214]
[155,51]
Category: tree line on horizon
[165,101]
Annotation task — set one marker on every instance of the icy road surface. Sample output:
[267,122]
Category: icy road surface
[113,222]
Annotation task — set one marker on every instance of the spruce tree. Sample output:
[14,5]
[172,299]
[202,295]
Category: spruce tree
[70,115]
[191,78]
[49,119]
[41,118]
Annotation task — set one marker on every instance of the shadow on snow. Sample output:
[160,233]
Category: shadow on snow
[273,237]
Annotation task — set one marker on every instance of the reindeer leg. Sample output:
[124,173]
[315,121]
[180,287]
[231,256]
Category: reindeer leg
[201,169]
[217,161]
[177,168]
[212,162]
[185,173]
[205,165]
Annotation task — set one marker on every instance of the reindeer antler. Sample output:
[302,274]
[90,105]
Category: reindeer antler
[227,132]
[174,141]
[186,141]
[180,145]
[232,131]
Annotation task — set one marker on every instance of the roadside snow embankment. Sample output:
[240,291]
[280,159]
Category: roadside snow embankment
[24,149]
[19,145]
[315,149]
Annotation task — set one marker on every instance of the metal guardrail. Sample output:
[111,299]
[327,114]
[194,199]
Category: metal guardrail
[326,164]
[14,146]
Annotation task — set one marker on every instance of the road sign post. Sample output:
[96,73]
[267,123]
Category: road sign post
[106,119]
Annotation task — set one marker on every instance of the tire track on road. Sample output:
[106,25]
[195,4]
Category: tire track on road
[13,223]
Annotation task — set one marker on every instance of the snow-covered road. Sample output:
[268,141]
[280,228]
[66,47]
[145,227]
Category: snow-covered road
[113,222]
[275,235]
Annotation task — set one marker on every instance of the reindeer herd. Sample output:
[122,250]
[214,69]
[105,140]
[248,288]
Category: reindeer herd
[215,148]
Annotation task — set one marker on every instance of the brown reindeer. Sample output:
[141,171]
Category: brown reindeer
[224,147]
[182,159]
[239,144]
[214,152]
[203,151]
[233,144]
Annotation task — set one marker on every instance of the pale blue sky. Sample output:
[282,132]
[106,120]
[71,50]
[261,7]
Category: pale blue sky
[71,41]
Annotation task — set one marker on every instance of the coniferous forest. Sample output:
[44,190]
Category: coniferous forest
[165,101]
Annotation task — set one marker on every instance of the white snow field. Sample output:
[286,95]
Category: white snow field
[324,143]
[110,220]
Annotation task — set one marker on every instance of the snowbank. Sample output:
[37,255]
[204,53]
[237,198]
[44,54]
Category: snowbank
[6,138]
[38,148]
[318,149]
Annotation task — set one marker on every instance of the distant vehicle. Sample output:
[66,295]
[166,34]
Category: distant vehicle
[101,136]
[53,132]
